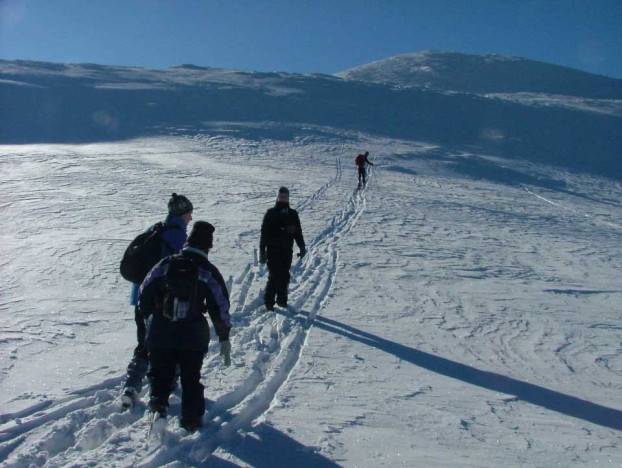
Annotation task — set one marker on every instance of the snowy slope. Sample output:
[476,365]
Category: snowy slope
[441,318]
[462,310]
[510,79]
[451,71]
[44,103]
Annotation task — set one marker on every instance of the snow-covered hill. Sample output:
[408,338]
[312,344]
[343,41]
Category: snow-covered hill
[90,103]
[484,74]
[461,310]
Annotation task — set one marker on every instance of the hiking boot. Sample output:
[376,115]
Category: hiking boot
[192,425]
[129,397]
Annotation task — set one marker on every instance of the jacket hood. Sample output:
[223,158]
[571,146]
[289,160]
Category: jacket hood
[175,220]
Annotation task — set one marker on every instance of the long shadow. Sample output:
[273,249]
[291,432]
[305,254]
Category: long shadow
[531,393]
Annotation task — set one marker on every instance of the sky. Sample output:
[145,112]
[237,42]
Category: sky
[308,36]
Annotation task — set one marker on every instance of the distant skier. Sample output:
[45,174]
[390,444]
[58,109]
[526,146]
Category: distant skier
[175,296]
[361,162]
[170,239]
[279,229]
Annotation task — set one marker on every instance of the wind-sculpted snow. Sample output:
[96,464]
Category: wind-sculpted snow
[460,309]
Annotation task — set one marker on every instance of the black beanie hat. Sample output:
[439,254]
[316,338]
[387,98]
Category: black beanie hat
[179,205]
[283,195]
[202,235]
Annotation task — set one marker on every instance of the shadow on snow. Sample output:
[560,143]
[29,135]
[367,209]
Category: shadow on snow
[531,393]
[260,446]
[269,447]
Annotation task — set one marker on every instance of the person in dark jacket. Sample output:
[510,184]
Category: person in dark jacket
[173,239]
[279,229]
[178,333]
[361,162]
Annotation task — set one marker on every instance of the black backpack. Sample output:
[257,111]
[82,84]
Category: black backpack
[181,283]
[143,253]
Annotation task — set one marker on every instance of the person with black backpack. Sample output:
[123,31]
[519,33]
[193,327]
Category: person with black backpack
[175,296]
[159,241]
[279,229]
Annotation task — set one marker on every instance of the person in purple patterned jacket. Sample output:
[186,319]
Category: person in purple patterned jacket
[174,297]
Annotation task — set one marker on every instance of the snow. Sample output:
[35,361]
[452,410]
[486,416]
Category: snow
[572,120]
[452,71]
[435,312]
[460,310]
[134,78]
[599,106]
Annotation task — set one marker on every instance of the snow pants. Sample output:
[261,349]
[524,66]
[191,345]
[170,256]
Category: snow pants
[362,175]
[137,368]
[162,376]
[279,263]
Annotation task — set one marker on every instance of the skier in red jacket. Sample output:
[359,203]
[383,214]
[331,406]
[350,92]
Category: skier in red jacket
[361,161]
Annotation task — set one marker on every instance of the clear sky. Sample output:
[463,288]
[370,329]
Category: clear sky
[324,36]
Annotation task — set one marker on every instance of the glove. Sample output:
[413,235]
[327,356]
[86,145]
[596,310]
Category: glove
[302,252]
[263,257]
[225,352]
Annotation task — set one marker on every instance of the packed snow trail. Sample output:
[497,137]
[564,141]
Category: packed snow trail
[85,429]
[282,335]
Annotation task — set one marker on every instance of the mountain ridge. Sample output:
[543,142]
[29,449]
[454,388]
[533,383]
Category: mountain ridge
[491,73]
[45,103]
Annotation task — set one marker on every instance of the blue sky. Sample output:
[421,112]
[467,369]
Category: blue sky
[324,36]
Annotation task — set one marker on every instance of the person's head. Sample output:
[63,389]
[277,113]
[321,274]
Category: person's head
[366,153]
[180,206]
[282,197]
[202,236]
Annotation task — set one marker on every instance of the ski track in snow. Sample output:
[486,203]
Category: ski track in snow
[88,426]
